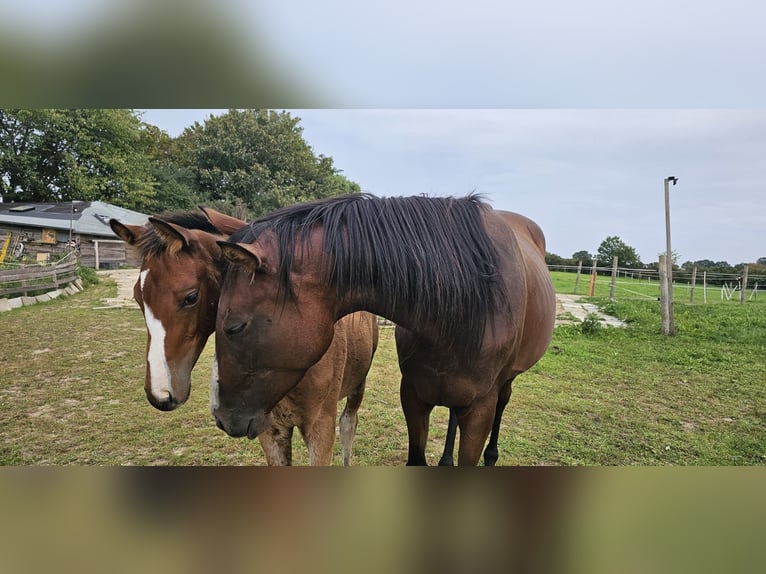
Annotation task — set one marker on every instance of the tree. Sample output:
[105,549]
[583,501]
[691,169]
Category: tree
[260,158]
[583,256]
[674,256]
[614,246]
[553,259]
[60,155]
[175,185]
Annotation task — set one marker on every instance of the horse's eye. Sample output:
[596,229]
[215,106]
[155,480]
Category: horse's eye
[190,299]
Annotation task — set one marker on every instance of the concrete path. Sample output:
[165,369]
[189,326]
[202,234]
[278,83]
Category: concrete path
[125,279]
[569,306]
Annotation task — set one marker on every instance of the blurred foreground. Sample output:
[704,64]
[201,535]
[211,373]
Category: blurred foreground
[381,520]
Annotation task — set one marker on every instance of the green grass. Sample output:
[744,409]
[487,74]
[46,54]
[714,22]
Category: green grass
[71,392]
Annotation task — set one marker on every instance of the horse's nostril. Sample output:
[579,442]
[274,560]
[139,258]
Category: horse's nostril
[235,328]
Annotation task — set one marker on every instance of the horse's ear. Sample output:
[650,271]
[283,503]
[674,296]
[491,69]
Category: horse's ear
[174,236]
[241,254]
[128,233]
[226,224]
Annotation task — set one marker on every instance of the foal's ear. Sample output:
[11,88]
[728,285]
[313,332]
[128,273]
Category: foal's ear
[128,233]
[174,236]
[241,254]
[226,224]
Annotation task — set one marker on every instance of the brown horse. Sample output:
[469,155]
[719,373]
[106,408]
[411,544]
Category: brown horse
[177,290]
[468,286]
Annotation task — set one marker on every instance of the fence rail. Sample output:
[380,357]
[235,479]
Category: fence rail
[33,278]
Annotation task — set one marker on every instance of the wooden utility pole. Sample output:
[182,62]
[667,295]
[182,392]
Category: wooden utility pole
[664,302]
[669,255]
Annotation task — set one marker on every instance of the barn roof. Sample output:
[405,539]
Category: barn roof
[86,217]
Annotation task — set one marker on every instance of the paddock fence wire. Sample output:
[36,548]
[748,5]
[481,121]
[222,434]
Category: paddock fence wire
[631,283]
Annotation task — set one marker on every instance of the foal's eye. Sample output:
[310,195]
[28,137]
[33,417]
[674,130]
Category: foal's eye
[190,299]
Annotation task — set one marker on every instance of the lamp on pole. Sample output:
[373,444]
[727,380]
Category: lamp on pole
[668,255]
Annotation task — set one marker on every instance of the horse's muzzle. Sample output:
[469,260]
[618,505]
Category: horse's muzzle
[237,427]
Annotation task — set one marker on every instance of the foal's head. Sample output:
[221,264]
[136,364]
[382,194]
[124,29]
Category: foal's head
[177,290]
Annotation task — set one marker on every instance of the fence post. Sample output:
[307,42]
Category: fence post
[592,287]
[24,280]
[614,278]
[744,286]
[694,283]
[704,286]
[577,279]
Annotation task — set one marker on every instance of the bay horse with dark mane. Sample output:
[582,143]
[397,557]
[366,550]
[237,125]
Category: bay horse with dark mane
[467,285]
[178,289]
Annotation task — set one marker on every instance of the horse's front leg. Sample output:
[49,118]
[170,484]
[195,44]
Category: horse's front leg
[319,432]
[417,414]
[475,423]
[491,452]
[277,444]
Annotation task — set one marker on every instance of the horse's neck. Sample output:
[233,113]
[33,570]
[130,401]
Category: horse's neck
[372,301]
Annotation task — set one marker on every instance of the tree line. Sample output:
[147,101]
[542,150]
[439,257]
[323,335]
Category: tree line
[243,162]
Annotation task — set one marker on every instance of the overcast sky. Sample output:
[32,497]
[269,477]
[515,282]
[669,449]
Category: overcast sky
[582,175]
[599,101]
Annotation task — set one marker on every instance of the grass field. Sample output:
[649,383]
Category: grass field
[71,392]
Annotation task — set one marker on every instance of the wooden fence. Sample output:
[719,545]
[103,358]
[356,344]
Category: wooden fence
[38,278]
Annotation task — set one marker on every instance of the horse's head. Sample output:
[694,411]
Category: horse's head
[177,290]
[268,334]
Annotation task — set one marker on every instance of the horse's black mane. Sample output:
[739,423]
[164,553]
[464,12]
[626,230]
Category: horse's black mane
[151,244]
[429,256]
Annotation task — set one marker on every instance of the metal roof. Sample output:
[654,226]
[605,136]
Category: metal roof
[85,217]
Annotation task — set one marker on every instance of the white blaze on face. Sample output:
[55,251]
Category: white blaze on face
[214,401]
[159,371]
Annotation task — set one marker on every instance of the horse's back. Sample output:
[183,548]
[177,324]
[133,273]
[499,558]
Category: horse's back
[540,311]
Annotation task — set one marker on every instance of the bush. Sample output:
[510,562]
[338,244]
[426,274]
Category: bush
[591,325]
[88,276]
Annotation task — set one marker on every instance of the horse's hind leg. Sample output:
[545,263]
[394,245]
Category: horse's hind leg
[277,444]
[348,422]
[447,458]
[491,452]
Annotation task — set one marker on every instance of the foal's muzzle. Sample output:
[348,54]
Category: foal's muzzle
[167,403]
